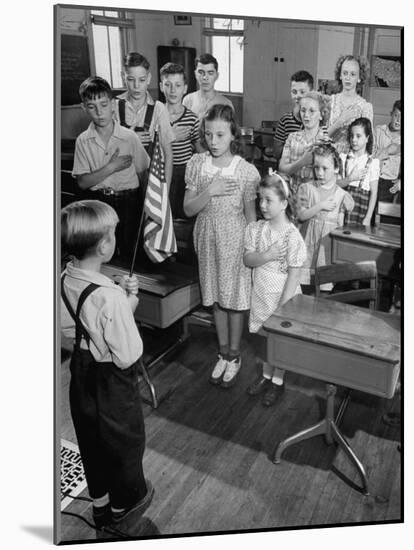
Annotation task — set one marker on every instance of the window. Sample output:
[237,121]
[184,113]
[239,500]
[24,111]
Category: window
[226,42]
[110,42]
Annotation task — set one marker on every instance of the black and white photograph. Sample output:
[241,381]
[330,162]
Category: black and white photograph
[229,198]
[219,190]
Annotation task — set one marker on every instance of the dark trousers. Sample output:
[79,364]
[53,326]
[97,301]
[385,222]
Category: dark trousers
[128,206]
[106,410]
[177,191]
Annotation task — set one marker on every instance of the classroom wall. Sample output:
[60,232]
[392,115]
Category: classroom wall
[152,30]
[334,41]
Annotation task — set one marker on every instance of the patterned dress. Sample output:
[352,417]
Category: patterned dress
[270,278]
[219,232]
[315,231]
[336,109]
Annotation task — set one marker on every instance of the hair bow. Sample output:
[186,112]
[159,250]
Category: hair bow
[285,185]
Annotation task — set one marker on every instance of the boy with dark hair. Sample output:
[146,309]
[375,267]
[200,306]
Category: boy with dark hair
[388,151]
[185,125]
[301,82]
[206,73]
[104,395]
[108,159]
[137,110]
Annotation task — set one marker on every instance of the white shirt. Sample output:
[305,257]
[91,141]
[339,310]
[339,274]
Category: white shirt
[91,154]
[350,160]
[106,315]
[200,105]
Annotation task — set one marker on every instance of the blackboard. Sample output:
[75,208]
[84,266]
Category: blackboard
[75,67]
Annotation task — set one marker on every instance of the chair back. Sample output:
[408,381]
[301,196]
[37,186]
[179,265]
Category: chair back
[269,124]
[389,209]
[348,272]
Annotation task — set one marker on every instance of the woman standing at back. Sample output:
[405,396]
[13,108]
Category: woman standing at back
[346,106]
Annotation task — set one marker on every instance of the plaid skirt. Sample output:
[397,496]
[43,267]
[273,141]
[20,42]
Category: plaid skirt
[361,198]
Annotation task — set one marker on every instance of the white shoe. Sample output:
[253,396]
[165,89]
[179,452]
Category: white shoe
[218,371]
[232,370]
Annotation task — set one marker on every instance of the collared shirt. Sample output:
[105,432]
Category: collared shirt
[199,105]
[390,166]
[91,154]
[106,315]
[160,118]
[350,160]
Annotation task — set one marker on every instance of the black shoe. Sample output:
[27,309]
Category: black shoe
[259,385]
[139,507]
[102,515]
[272,394]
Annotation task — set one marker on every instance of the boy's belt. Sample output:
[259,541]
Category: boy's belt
[116,193]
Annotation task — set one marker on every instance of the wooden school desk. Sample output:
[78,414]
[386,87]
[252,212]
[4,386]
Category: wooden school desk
[165,296]
[339,344]
[356,243]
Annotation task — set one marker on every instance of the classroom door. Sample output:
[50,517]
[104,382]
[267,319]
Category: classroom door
[273,52]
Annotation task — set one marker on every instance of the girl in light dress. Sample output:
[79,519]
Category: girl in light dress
[361,171]
[321,207]
[275,250]
[351,72]
[221,190]
[296,160]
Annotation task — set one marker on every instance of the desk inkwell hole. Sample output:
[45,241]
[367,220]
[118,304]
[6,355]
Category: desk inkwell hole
[286,324]
[346,232]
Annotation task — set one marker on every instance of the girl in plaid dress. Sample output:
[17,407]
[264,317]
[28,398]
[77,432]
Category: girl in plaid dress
[361,171]
[221,190]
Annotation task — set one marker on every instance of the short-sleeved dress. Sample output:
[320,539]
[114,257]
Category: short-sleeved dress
[336,109]
[219,232]
[315,231]
[270,278]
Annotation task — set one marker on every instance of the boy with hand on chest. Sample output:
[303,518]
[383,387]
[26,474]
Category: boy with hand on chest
[300,83]
[138,111]
[185,125]
[108,159]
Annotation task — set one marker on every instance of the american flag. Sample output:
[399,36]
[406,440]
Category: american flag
[159,238]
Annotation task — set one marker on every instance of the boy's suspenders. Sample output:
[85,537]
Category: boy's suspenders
[147,121]
[80,330]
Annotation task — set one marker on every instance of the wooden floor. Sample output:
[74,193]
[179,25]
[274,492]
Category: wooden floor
[208,455]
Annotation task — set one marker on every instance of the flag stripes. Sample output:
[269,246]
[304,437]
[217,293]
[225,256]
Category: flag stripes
[159,237]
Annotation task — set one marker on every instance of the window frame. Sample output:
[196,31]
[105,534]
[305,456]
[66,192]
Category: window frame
[126,24]
[209,31]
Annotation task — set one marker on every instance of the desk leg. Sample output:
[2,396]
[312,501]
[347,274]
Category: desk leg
[318,429]
[339,438]
[149,384]
[329,429]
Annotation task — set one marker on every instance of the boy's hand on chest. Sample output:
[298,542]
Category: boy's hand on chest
[120,162]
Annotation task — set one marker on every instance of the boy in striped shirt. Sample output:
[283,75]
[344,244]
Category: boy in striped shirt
[185,125]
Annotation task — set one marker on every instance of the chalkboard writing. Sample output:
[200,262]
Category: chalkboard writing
[75,66]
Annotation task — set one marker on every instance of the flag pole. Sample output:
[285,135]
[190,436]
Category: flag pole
[141,219]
